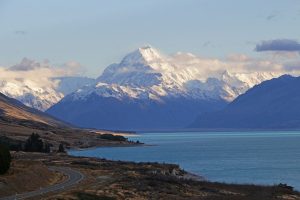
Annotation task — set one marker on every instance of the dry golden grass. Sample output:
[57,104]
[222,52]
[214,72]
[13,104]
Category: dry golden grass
[16,112]
[27,175]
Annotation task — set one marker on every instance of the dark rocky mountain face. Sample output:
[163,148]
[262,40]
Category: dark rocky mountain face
[132,114]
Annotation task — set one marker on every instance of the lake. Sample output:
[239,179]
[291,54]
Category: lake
[234,157]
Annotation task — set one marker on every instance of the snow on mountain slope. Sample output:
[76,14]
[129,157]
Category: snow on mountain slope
[41,96]
[145,73]
[30,93]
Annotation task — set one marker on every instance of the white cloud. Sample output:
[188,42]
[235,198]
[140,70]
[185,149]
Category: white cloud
[39,72]
[73,68]
[199,67]
[282,63]
[234,63]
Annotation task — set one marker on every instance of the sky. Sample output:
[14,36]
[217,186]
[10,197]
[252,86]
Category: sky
[95,33]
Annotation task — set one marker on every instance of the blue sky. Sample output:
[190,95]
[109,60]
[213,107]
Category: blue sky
[98,33]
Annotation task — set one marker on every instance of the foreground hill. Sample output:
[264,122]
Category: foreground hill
[148,90]
[13,111]
[18,121]
[273,104]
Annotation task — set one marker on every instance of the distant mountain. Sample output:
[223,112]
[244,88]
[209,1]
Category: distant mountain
[148,90]
[273,104]
[69,84]
[42,96]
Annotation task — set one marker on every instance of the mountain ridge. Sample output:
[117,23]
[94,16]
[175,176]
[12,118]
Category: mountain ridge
[273,104]
[41,97]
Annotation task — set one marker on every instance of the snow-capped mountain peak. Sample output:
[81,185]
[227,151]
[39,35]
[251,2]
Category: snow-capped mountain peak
[145,73]
[143,67]
[148,90]
[143,55]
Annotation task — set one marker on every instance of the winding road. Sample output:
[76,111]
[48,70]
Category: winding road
[73,177]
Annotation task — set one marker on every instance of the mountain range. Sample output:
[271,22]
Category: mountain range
[42,96]
[273,104]
[148,90]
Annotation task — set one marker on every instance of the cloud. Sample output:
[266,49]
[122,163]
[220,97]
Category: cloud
[20,32]
[238,57]
[27,65]
[206,44]
[278,45]
[275,62]
[292,66]
[41,73]
[73,68]
[272,16]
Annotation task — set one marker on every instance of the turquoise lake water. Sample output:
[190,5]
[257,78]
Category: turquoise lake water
[234,157]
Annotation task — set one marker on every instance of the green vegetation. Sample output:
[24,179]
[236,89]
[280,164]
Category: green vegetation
[113,137]
[5,159]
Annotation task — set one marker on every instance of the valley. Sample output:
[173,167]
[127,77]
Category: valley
[149,100]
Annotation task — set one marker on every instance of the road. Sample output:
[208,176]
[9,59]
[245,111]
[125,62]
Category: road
[73,177]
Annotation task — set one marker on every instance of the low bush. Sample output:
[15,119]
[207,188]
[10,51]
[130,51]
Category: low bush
[5,159]
[113,137]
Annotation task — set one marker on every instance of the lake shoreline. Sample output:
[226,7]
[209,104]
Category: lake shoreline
[202,154]
[113,179]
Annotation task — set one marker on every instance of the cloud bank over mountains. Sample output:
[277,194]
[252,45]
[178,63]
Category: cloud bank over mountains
[39,72]
[41,84]
[284,58]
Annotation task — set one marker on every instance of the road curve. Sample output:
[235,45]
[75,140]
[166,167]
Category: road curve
[73,177]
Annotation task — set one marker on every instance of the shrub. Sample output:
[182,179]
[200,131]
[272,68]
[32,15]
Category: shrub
[61,148]
[47,147]
[13,145]
[113,137]
[34,143]
[5,159]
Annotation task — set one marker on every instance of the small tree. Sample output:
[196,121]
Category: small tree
[47,148]
[61,148]
[34,143]
[5,159]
